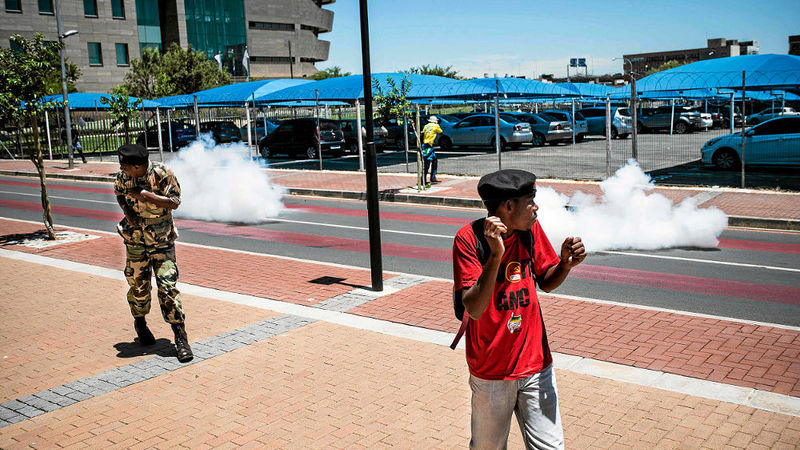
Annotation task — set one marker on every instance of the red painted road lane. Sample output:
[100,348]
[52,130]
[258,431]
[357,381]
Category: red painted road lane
[60,187]
[405,217]
[658,280]
[759,246]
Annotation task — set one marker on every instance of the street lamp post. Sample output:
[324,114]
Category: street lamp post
[634,118]
[61,37]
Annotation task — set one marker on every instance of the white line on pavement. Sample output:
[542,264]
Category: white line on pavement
[754,398]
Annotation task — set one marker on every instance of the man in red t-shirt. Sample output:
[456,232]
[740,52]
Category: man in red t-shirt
[507,352]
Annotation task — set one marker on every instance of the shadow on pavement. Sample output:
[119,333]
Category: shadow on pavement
[695,173]
[162,347]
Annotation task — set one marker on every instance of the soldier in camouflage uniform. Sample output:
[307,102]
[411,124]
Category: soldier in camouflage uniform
[147,192]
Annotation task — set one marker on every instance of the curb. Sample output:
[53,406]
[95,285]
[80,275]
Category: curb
[394,196]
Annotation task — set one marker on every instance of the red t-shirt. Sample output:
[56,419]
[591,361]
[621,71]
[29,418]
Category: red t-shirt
[508,341]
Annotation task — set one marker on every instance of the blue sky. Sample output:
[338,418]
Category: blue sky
[532,37]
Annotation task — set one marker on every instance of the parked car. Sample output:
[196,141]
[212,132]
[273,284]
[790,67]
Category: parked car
[683,120]
[770,113]
[182,135]
[258,129]
[222,131]
[706,120]
[724,113]
[300,137]
[479,130]
[596,121]
[580,125]
[544,128]
[394,134]
[348,127]
[774,142]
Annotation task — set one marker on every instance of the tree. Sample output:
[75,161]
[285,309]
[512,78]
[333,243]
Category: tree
[175,72]
[24,77]
[330,72]
[437,70]
[667,65]
[54,81]
[121,109]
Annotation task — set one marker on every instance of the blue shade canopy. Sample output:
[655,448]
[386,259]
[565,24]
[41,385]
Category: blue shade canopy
[306,103]
[88,101]
[176,101]
[761,71]
[690,94]
[589,89]
[351,88]
[238,93]
[522,87]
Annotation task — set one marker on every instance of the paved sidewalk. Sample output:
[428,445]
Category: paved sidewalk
[766,209]
[334,372]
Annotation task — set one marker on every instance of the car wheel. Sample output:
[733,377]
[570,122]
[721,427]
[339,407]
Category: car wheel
[614,133]
[311,152]
[726,159]
[445,144]
[538,139]
[503,144]
[681,128]
[267,152]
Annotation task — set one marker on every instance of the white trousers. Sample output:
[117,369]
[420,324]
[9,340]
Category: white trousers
[532,399]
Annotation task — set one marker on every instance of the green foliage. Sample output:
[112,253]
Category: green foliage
[121,109]
[175,72]
[437,70]
[25,76]
[667,65]
[330,72]
[391,104]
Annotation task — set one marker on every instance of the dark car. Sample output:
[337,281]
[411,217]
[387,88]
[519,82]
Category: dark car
[348,127]
[682,119]
[394,134]
[299,137]
[182,135]
[222,131]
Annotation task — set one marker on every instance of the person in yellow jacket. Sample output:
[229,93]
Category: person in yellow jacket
[430,132]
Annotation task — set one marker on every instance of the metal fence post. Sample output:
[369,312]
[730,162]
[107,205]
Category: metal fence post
[672,116]
[573,121]
[169,130]
[249,129]
[405,138]
[196,117]
[634,131]
[319,132]
[47,129]
[731,112]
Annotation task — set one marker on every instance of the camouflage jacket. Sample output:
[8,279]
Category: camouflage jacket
[159,180]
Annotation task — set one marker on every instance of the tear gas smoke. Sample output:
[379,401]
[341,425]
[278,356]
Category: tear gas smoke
[222,183]
[625,216]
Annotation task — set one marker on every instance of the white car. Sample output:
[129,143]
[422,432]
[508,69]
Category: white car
[775,142]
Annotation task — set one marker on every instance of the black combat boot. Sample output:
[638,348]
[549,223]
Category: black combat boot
[145,336]
[182,343]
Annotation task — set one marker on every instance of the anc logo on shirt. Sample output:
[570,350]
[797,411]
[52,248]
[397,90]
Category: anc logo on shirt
[514,272]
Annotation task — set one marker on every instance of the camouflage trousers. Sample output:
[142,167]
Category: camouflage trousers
[140,263]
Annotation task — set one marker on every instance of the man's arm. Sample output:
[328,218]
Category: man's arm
[572,254]
[158,200]
[477,297]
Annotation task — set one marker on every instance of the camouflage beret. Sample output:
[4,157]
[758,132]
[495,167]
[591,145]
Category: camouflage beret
[133,154]
[506,184]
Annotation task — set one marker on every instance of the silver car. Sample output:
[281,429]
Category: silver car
[478,130]
[546,129]
[770,113]
[580,124]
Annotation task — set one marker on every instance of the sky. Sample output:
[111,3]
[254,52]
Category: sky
[525,37]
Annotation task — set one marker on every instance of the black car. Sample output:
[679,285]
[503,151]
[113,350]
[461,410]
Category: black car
[182,134]
[222,131]
[348,127]
[299,137]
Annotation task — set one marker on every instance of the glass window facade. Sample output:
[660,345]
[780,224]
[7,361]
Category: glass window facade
[90,8]
[45,6]
[13,6]
[118,9]
[122,54]
[147,20]
[95,54]
[218,27]
[14,46]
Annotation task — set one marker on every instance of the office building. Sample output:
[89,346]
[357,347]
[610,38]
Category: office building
[715,48]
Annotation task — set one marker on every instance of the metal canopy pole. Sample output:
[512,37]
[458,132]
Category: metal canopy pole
[744,95]
[634,131]
[672,116]
[196,117]
[47,128]
[497,123]
[249,129]
[319,132]
[160,140]
[573,121]
[373,214]
[731,117]
[405,137]
[169,130]
[359,139]
[608,135]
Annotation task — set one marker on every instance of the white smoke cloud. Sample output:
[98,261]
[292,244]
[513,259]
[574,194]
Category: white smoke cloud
[626,216]
[222,183]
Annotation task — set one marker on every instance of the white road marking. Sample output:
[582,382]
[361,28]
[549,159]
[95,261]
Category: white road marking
[706,261]
[755,398]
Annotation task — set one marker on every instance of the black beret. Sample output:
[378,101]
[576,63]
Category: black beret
[506,184]
[133,154]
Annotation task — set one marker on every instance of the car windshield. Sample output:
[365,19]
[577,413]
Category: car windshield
[228,127]
[327,126]
[558,115]
[548,117]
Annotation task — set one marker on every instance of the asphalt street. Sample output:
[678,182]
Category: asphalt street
[753,274]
